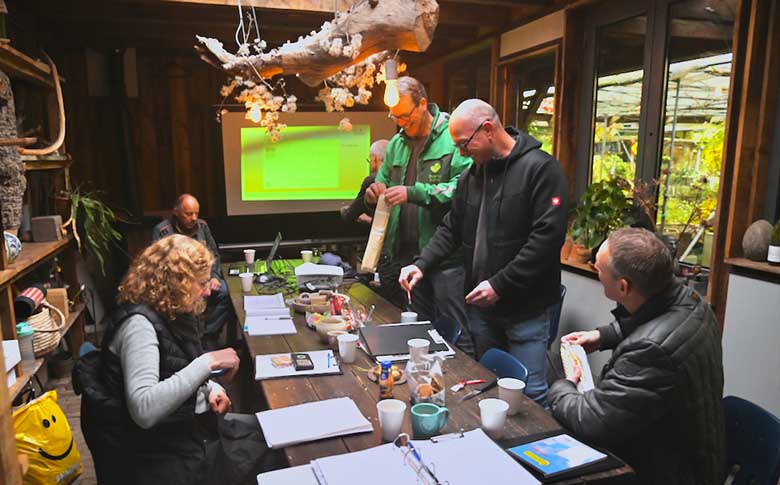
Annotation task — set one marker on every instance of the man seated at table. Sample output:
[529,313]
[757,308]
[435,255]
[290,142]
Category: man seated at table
[658,404]
[358,211]
[185,221]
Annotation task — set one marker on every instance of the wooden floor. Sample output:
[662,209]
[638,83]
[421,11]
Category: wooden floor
[71,406]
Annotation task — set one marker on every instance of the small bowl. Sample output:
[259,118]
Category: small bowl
[329,324]
[333,336]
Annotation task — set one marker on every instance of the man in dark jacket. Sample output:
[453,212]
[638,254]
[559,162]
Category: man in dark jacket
[658,404]
[185,221]
[509,214]
[357,210]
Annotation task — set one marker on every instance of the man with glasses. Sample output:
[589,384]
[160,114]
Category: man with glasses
[509,215]
[418,179]
[185,221]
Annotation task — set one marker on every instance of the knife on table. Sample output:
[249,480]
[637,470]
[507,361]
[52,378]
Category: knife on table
[490,385]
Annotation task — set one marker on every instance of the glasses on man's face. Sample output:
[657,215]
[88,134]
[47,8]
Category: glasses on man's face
[464,145]
[405,117]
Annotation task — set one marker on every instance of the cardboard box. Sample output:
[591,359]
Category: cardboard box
[11,354]
[58,297]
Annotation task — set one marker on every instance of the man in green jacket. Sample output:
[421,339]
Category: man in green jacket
[418,179]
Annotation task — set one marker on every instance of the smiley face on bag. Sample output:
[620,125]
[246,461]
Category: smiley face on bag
[59,434]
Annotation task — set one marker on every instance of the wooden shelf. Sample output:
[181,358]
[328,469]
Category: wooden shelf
[21,66]
[21,381]
[32,254]
[47,162]
[761,266]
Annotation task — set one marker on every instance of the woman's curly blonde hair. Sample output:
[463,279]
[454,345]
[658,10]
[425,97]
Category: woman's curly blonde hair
[164,276]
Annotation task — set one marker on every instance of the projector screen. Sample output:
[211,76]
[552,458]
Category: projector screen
[314,167]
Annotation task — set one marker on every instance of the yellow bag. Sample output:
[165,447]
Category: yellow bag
[43,434]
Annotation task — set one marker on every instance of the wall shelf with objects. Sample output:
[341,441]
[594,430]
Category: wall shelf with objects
[760,267]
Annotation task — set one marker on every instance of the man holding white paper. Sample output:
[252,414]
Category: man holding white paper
[658,405]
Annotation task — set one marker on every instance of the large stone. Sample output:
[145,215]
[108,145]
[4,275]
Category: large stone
[755,242]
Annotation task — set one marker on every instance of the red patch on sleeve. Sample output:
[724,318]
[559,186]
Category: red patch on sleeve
[556,201]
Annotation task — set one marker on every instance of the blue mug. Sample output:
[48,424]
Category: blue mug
[428,419]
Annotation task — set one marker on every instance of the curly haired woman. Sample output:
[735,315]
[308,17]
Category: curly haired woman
[150,412]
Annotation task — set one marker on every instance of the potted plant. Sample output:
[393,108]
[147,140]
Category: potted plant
[92,223]
[773,255]
[603,207]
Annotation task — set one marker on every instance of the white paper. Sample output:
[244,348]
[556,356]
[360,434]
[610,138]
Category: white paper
[386,465]
[324,363]
[312,421]
[269,312]
[256,302]
[259,326]
[571,355]
[297,475]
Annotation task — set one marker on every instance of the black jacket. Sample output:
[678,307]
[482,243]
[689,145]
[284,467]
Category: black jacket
[658,405]
[527,215]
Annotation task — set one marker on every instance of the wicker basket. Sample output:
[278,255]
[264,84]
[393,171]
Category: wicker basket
[47,334]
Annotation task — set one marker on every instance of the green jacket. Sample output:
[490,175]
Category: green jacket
[438,168]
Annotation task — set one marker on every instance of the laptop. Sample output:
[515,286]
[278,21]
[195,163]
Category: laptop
[269,272]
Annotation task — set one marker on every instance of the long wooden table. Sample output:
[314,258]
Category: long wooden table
[354,383]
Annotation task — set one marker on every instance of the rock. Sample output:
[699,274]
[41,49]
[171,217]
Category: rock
[755,242]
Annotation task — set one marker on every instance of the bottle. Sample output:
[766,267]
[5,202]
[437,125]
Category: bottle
[24,333]
[386,380]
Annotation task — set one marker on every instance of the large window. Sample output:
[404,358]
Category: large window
[660,84]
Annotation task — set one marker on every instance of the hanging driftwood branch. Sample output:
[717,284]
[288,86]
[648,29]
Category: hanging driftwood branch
[61,105]
[352,37]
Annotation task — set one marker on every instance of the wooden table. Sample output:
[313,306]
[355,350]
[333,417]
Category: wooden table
[355,384]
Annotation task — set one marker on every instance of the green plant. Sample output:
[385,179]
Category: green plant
[92,223]
[775,241]
[602,208]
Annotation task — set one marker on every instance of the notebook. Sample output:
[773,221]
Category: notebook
[312,421]
[259,326]
[258,302]
[324,363]
[297,475]
[390,341]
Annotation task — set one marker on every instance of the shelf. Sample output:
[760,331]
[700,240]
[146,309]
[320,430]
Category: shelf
[21,381]
[21,66]
[761,266]
[581,267]
[46,162]
[32,254]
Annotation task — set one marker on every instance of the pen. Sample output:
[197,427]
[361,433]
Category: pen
[328,360]
[422,464]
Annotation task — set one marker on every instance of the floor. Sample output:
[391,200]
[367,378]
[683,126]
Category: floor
[71,406]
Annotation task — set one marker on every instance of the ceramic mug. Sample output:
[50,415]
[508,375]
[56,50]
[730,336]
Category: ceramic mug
[428,419]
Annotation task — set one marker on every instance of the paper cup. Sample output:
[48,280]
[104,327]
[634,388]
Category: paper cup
[306,255]
[408,317]
[333,338]
[246,281]
[492,412]
[249,256]
[418,347]
[511,390]
[391,417]
[348,347]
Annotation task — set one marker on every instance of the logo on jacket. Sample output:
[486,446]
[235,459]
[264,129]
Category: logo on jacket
[436,167]
[556,201]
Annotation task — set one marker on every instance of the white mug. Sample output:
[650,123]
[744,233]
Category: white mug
[511,390]
[391,417]
[249,256]
[418,348]
[492,412]
[408,317]
[306,255]
[348,347]
[246,281]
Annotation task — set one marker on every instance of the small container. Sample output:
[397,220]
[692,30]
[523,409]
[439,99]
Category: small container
[24,332]
[386,380]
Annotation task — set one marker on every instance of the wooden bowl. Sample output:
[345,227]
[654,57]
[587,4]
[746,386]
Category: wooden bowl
[329,324]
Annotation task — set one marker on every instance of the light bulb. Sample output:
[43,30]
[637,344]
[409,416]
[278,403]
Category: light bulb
[255,114]
[391,83]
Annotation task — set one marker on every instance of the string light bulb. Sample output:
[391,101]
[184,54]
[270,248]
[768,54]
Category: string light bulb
[254,113]
[391,83]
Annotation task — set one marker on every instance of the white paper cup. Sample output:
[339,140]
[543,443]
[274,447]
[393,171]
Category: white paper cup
[306,255]
[391,417]
[511,390]
[408,317]
[418,347]
[492,412]
[348,347]
[249,256]
[246,281]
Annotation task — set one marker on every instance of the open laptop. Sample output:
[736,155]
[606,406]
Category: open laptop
[269,272]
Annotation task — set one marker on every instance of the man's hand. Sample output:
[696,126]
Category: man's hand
[576,376]
[396,195]
[224,359]
[483,295]
[365,219]
[214,284]
[219,402]
[409,277]
[589,341]
[374,191]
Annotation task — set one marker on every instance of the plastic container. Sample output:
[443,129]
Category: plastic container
[386,380]
[24,332]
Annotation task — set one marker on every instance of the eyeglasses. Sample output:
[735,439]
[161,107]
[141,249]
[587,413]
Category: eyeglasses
[406,117]
[464,145]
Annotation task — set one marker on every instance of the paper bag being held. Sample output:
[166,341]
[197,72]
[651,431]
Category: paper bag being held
[376,238]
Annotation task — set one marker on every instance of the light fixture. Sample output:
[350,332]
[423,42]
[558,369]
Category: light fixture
[391,83]
[255,113]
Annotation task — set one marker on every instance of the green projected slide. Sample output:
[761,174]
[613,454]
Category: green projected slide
[307,163]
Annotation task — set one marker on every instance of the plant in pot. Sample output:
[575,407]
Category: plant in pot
[773,255]
[603,207]
[92,223]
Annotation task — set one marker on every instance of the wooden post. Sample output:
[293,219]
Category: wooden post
[180,140]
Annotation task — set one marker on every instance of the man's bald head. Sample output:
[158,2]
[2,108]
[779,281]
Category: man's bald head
[475,129]
[472,112]
[186,209]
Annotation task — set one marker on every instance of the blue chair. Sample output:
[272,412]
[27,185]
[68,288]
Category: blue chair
[752,442]
[555,318]
[448,329]
[504,364]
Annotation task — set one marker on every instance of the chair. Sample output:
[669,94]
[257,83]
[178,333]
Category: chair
[555,318]
[448,329]
[504,364]
[752,443]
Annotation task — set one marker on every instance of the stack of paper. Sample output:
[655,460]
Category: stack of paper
[297,475]
[312,421]
[324,363]
[257,326]
[266,306]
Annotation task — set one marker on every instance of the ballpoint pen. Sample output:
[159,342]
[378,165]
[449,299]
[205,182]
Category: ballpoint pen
[403,440]
[490,385]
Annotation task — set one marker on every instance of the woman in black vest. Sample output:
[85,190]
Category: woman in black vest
[150,412]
